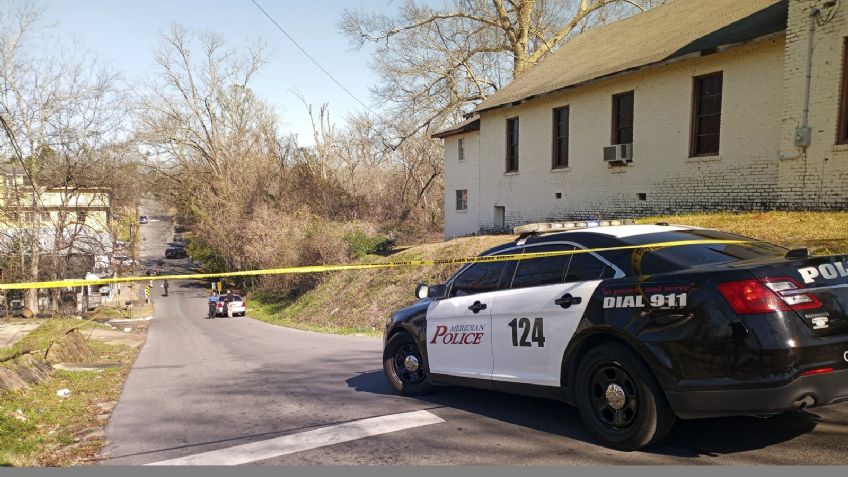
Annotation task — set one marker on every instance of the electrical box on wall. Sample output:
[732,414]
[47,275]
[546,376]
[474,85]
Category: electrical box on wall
[803,135]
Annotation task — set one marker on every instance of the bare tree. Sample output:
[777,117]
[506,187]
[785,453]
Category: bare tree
[212,143]
[436,63]
[199,110]
[58,110]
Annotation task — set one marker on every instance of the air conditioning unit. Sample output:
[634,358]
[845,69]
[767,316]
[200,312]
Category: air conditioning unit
[618,154]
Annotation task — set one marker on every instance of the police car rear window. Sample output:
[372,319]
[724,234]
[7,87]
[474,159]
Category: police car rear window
[676,258]
[584,267]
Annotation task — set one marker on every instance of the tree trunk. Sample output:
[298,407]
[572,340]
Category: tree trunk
[32,294]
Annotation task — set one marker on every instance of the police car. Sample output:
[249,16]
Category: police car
[636,336]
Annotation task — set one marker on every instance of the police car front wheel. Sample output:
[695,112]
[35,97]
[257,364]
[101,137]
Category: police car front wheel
[619,399]
[404,366]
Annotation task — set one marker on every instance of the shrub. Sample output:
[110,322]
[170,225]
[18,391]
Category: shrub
[210,259]
[361,244]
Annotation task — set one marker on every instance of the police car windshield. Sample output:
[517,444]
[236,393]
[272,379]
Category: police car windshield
[686,256]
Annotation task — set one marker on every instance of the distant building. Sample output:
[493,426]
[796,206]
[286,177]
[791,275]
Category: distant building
[694,105]
[76,221]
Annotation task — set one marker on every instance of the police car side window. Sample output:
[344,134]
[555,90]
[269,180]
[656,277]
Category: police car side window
[585,266]
[478,278]
[536,272]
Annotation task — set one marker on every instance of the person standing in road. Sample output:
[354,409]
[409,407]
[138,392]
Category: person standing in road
[165,286]
[229,300]
[213,303]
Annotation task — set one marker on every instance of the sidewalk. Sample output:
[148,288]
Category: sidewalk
[11,333]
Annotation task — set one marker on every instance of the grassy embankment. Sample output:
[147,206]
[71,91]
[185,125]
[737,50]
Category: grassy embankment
[37,427]
[360,301]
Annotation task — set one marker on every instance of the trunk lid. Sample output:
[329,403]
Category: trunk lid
[816,288]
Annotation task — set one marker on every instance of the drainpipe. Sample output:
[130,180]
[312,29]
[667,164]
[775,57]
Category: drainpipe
[803,133]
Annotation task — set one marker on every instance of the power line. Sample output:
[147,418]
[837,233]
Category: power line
[311,58]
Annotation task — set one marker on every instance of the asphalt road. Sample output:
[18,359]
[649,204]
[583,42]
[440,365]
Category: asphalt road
[201,386]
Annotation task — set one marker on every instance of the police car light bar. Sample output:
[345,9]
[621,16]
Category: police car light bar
[546,227]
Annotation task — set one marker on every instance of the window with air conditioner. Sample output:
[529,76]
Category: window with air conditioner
[620,152]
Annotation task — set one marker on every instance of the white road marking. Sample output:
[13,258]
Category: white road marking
[325,436]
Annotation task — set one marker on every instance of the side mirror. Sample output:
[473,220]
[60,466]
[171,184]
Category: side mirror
[421,291]
[434,292]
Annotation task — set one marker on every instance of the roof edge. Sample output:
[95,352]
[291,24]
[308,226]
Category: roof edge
[647,66]
[469,125]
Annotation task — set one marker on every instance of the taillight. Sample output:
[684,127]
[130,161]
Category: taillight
[813,372]
[770,295]
[751,296]
[797,300]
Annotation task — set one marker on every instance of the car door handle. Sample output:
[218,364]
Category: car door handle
[567,300]
[477,306]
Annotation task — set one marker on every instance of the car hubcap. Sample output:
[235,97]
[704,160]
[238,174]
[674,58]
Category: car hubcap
[407,363]
[411,363]
[613,396]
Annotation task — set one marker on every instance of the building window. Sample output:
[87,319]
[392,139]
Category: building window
[706,115]
[45,216]
[81,217]
[622,118]
[461,149]
[512,145]
[462,199]
[842,134]
[560,148]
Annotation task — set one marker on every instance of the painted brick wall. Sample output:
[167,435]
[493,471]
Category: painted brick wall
[462,175]
[743,176]
[818,177]
[758,166]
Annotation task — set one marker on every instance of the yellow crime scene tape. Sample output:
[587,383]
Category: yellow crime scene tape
[361,266]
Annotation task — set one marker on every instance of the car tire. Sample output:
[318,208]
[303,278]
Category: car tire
[619,399]
[410,382]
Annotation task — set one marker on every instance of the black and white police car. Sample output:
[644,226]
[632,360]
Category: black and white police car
[635,338]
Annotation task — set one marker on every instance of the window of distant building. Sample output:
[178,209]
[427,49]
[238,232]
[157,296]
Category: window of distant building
[512,145]
[462,199]
[706,115]
[622,118]
[560,136]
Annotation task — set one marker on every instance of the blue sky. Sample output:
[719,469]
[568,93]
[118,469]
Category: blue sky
[122,34]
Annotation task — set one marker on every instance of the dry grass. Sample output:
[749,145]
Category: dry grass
[823,232]
[360,301]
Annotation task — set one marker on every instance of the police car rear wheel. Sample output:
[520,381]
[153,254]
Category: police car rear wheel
[619,399]
[404,366]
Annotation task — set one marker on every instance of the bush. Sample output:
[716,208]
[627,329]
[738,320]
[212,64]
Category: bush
[210,259]
[361,244]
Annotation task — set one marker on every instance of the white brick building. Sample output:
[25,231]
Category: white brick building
[709,93]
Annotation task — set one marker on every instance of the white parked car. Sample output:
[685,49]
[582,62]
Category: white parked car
[238,305]
[123,260]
